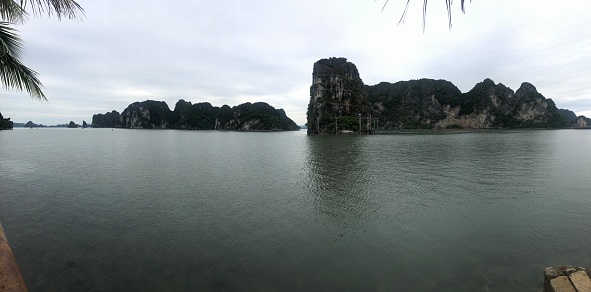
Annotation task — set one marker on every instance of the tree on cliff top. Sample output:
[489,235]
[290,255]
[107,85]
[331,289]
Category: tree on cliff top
[13,73]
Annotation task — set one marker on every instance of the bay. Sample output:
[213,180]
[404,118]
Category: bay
[149,210]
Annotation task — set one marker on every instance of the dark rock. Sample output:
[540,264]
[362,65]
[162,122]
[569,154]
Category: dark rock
[582,122]
[151,114]
[148,114]
[5,123]
[338,103]
[550,272]
[338,100]
[107,120]
[569,115]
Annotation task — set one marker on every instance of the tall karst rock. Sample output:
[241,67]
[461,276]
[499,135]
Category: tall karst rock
[338,100]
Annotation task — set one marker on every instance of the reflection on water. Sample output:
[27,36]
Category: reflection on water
[339,182]
[189,210]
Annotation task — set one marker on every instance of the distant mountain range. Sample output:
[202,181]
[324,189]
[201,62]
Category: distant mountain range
[339,101]
[152,114]
[30,124]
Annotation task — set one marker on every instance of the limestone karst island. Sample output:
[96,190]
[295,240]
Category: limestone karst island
[341,103]
[151,114]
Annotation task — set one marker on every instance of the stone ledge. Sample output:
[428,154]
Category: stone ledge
[566,279]
[10,275]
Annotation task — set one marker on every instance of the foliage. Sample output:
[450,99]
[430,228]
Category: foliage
[569,115]
[420,104]
[414,104]
[107,120]
[5,124]
[149,114]
[448,4]
[257,116]
[337,93]
[13,74]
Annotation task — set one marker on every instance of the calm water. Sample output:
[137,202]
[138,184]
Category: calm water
[143,210]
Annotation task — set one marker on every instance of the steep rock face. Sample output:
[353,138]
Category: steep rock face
[581,122]
[490,105]
[106,120]
[199,116]
[5,124]
[151,114]
[258,116]
[413,104]
[535,110]
[337,96]
[569,115]
[427,104]
[337,102]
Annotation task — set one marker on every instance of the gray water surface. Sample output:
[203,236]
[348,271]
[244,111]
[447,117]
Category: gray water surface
[149,210]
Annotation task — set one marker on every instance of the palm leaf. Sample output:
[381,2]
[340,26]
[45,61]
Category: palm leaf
[13,74]
[61,8]
[448,4]
[10,42]
[12,12]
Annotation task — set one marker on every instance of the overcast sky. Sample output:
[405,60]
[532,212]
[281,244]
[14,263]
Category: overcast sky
[231,52]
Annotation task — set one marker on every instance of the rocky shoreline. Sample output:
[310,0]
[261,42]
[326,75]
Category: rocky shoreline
[567,278]
[10,275]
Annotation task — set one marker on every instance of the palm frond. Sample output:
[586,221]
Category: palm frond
[448,4]
[11,11]
[13,74]
[403,17]
[10,42]
[424,14]
[61,8]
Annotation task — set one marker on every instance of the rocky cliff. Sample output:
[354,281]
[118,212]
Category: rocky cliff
[414,104]
[490,105]
[337,97]
[5,124]
[200,116]
[148,114]
[580,122]
[425,104]
[106,120]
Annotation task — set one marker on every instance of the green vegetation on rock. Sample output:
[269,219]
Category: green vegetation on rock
[5,124]
[424,104]
[152,114]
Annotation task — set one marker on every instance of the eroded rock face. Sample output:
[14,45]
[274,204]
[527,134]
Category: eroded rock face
[151,114]
[146,115]
[5,123]
[582,122]
[106,120]
[337,95]
[337,103]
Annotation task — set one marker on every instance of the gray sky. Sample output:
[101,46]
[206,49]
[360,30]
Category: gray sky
[231,52]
